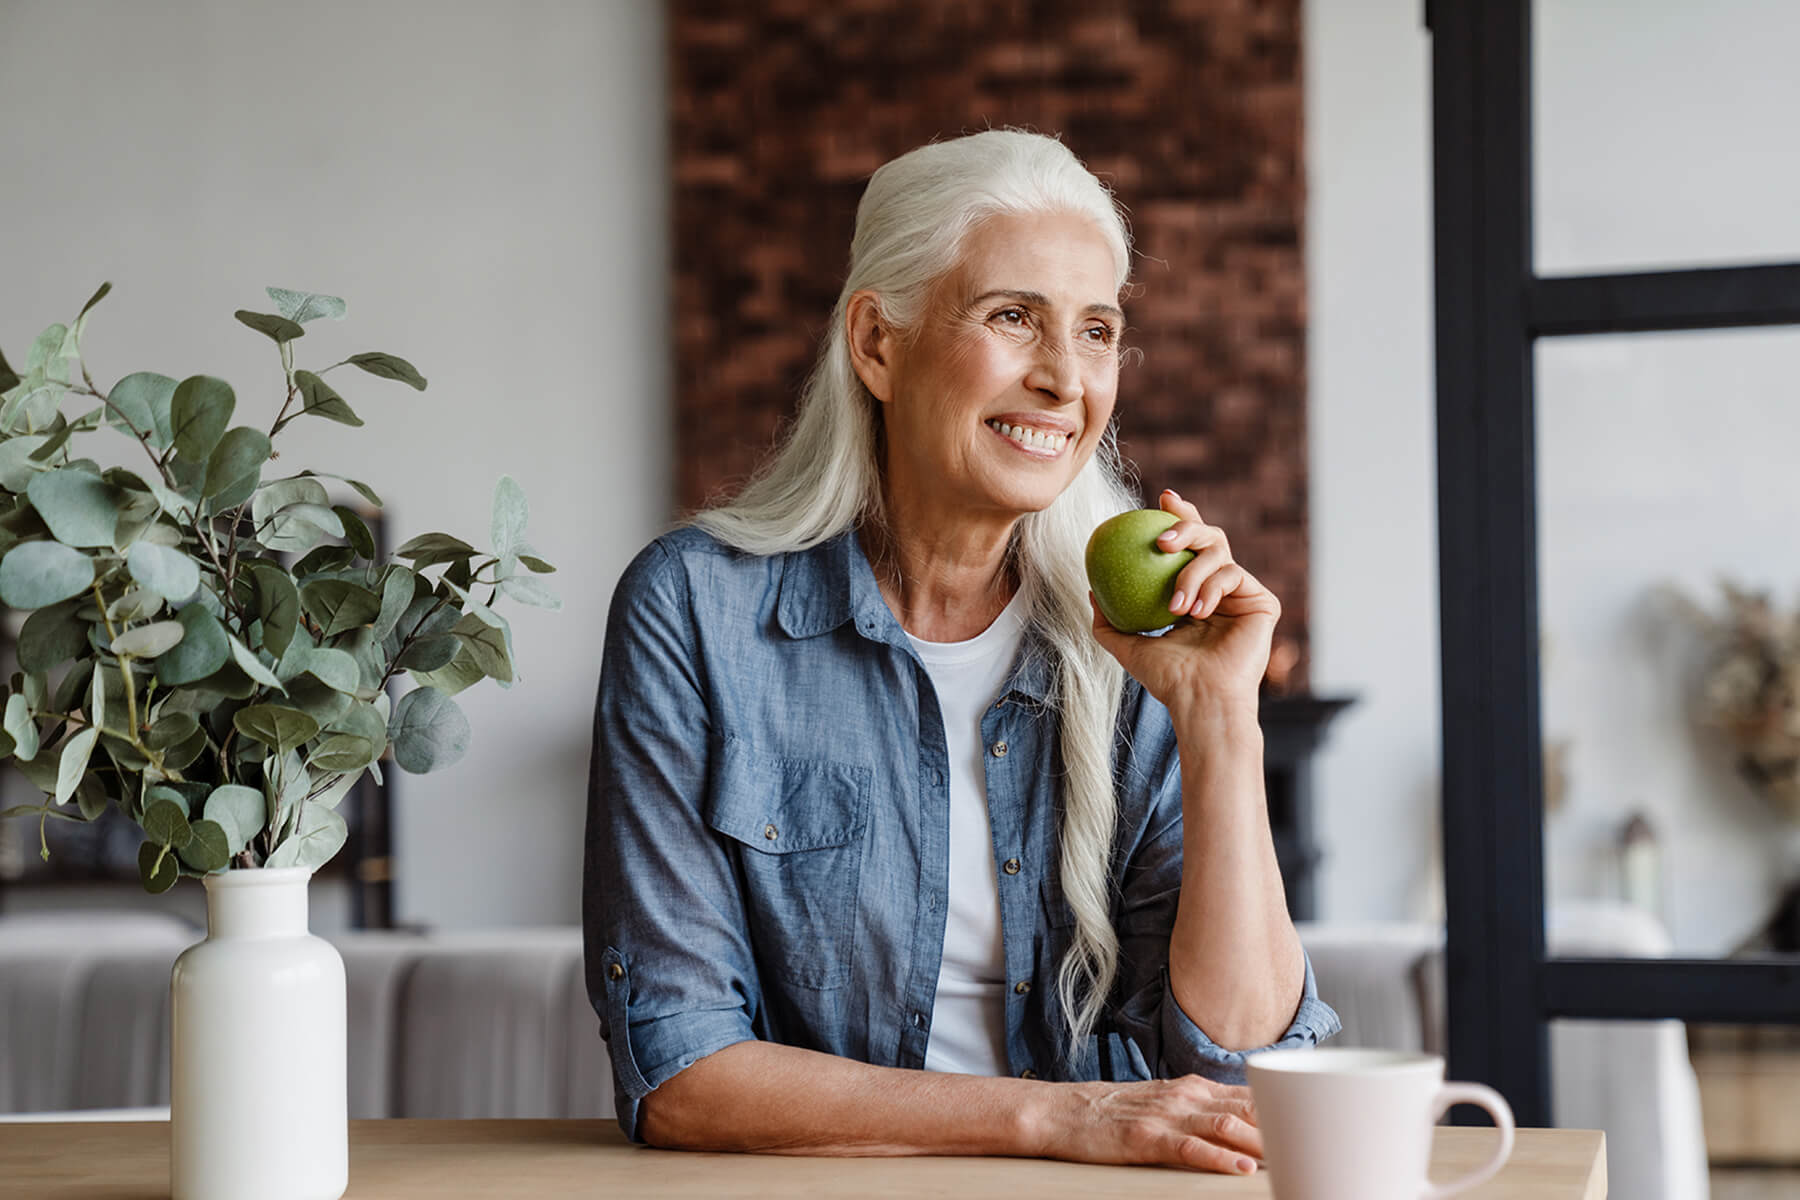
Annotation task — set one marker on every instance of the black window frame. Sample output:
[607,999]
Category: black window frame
[1491,307]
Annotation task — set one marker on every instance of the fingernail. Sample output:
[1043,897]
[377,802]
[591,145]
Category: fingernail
[1246,1165]
[1167,535]
[1176,600]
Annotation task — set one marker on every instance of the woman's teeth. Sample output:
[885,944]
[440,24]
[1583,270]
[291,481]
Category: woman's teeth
[1034,438]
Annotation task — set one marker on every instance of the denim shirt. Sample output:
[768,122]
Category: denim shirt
[768,820]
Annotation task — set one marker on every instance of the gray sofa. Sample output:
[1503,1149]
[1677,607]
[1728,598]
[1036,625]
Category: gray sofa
[498,1025]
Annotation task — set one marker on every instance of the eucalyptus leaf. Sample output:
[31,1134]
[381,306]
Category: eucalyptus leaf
[90,797]
[280,329]
[355,531]
[171,729]
[320,399]
[238,810]
[141,405]
[80,509]
[537,564]
[510,515]
[429,549]
[170,793]
[277,603]
[343,752]
[320,834]
[274,496]
[148,641]
[34,574]
[252,666]
[199,412]
[362,489]
[430,653]
[203,648]
[238,457]
[156,867]
[428,731]
[73,763]
[168,573]
[208,848]
[134,605]
[340,787]
[275,725]
[21,728]
[17,469]
[96,712]
[336,669]
[96,298]
[527,590]
[486,644]
[461,674]
[397,588]
[390,366]
[335,605]
[52,636]
[302,307]
[166,823]
[178,504]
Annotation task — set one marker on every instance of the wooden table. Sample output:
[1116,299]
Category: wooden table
[438,1159]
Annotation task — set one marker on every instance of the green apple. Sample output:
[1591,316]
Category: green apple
[1132,578]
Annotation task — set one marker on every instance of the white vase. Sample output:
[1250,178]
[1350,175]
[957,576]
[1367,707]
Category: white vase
[257,1088]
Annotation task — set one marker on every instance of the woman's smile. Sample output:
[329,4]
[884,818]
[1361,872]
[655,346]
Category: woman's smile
[1033,440]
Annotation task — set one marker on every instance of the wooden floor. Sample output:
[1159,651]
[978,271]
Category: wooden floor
[1755,1183]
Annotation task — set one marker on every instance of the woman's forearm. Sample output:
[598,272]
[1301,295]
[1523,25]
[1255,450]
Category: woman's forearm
[763,1096]
[1235,962]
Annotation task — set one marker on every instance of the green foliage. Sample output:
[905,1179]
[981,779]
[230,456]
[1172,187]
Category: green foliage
[210,650]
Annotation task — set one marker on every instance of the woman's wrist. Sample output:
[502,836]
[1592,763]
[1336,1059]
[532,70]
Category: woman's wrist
[1046,1118]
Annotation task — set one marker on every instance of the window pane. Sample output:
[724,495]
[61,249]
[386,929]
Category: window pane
[1667,470]
[1661,133]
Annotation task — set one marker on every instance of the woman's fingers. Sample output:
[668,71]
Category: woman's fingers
[1203,1155]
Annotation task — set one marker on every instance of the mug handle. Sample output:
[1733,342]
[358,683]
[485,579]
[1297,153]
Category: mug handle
[1497,1107]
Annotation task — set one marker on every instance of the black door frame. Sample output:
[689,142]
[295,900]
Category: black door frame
[1491,307]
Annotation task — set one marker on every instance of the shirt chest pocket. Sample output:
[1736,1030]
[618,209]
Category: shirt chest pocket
[796,828]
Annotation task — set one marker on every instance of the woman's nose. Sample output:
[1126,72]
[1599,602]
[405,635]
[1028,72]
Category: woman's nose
[1056,374]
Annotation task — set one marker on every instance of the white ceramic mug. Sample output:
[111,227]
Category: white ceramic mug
[1341,1124]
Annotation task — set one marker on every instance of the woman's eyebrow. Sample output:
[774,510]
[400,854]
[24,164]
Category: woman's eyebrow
[1039,300]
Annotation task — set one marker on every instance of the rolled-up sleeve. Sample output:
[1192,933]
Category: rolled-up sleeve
[670,970]
[1167,1041]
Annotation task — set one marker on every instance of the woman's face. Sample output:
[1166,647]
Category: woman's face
[999,397]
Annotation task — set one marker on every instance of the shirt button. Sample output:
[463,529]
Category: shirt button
[1021,987]
[999,749]
[1028,1073]
[1011,866]
[769,832]
[918,1020]
[616,971]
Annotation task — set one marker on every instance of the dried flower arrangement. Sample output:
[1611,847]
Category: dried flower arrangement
[1751,691]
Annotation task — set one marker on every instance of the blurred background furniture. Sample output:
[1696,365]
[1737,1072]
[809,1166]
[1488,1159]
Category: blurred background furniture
[498,1025]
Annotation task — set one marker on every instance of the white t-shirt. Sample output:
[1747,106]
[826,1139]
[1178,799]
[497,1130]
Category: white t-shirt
[968,1017]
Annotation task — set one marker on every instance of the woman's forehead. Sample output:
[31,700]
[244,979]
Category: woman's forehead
[1060,258]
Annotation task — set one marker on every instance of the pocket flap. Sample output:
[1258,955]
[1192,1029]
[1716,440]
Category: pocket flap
[780,805]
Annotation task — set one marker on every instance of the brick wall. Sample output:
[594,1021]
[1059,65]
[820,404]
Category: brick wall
[1189,109]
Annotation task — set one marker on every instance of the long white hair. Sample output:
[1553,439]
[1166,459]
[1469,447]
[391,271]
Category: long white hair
[824,478]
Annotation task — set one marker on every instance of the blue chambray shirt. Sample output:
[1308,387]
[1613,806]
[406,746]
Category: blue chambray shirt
[768,822]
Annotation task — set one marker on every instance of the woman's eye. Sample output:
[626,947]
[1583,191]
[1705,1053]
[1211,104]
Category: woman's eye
[1101,335]
[1011,316]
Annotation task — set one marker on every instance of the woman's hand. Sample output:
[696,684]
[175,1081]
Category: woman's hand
[1188,1122]
[1221,650]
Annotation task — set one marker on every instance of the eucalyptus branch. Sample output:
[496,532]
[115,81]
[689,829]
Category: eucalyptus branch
[222,745]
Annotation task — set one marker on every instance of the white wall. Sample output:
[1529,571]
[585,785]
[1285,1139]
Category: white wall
[1372,453]
[1664,459]
[485,185]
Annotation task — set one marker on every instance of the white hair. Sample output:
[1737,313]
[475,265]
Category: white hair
[825,479]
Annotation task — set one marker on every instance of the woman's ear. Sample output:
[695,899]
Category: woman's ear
[872,344]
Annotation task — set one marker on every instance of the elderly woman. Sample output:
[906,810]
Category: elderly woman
[894,845]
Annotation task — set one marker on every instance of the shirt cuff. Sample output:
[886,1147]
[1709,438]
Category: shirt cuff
[1188,1051]
[647,1053]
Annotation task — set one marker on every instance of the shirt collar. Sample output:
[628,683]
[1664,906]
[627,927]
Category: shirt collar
[826,585]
